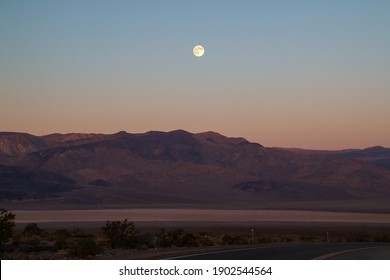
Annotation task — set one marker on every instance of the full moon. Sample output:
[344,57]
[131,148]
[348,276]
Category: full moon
[198,51]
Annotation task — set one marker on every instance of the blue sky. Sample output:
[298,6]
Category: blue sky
[311,74]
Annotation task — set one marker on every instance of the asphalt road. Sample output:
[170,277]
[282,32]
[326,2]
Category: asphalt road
[337,251]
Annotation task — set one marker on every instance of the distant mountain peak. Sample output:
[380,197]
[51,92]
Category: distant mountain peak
[375,148]
[121,133]
[215,137]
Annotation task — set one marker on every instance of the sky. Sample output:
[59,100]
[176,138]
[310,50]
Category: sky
[307,74]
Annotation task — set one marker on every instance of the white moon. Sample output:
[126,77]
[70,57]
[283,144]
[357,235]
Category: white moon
[198,51]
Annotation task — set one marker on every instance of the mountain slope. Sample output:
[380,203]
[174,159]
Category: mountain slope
[377,155]
[14,145]
[181,167]
[25,183]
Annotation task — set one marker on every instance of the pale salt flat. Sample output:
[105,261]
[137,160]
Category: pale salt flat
[159,215]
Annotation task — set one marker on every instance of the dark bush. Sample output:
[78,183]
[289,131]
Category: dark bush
[120,234]
[307,238]
[6,225]
[33,230]
[84,248]
[33,240]
[361,237]
[176,237]
[228,239]
[61,234]
[147,239]
[262,239]
[61,244]
[286,239]
[382,238]
[205,240]
[187,240]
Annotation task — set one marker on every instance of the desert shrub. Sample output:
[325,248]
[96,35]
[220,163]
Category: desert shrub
[120,234]
[147,239]
[61,238]
[228,239]
[205,240]
[362,237]
[61,234]
[262,239]
[187,240]
[78,233]
[61,244]
[382,238]
[286,239]
[307,238]
[16,239]
[142,247]
[33,240]
[84,247]
[6,225]
[33,230]
[176,237]
[359,237]
[32,244]
[163,238]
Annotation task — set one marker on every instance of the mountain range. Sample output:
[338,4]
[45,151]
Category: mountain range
[182,168]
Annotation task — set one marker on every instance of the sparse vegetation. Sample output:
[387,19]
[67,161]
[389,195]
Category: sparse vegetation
[120,234]
[259,239]
[61,239]
[230,239]
[33,230]
[121,239]
[205,239]
[84,248]
[176,237]
[6,226]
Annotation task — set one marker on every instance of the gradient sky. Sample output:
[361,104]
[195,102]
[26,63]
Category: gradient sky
[308,74]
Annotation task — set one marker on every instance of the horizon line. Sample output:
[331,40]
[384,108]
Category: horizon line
[194,133]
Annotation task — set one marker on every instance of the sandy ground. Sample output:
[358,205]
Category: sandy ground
[161,215]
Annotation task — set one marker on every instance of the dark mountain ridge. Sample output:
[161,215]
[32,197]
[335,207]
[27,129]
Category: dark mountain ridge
[377,155]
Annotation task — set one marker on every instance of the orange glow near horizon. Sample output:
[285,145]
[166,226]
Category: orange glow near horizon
[292,77]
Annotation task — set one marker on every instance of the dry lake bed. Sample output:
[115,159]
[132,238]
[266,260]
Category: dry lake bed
[192,215]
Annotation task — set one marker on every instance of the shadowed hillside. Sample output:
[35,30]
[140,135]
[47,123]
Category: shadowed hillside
[179,167]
